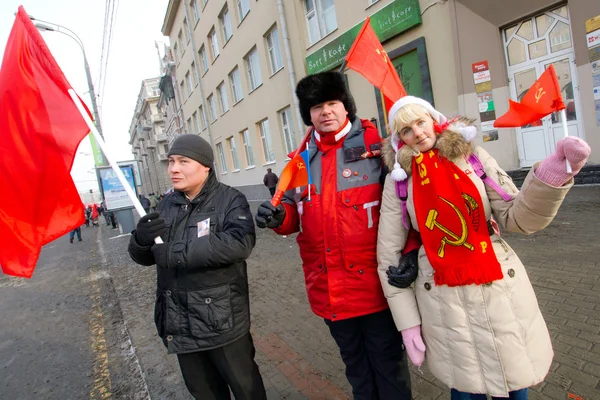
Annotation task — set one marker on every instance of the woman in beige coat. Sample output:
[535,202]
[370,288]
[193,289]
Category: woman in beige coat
[471,312]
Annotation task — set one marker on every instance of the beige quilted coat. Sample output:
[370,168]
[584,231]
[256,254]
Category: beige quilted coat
[480,339]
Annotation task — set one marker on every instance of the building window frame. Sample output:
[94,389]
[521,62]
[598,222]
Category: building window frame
[253,69]
[203,59]
[222,160]
[233,153]
[274,50]
[213,40]
[203,119]
[212,107]
[223,101]
[266,141]
[317,18]
[236,85]
[190,83]
[248,153]
[225,21]
[287,128]
[243,8]
[195,10]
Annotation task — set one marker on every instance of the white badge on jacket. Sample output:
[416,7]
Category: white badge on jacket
[204,227]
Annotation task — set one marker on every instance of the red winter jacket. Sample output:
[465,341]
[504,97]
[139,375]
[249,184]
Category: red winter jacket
[338,226]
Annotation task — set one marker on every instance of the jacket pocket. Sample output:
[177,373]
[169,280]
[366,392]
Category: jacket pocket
[210,311]
[358,217]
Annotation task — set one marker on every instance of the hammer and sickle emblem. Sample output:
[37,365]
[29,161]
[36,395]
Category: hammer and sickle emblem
[539,93]
[384,55]
[452,239]
[301,165]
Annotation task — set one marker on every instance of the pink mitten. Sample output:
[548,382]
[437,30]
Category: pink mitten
[553,170]
[413,342]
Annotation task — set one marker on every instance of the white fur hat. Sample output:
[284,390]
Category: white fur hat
[468,132]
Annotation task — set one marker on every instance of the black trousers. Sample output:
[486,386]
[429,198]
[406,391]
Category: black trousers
[210,374]
[376,363]
[272,191]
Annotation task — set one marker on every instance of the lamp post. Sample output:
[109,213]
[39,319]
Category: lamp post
[41,25]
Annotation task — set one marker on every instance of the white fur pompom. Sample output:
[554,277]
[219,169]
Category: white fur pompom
[398,174]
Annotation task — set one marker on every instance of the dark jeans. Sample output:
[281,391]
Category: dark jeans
[210,374]
[515,395]
[376,363]
[73,232]
[272,191]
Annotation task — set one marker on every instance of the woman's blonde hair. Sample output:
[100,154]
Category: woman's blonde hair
[406,116]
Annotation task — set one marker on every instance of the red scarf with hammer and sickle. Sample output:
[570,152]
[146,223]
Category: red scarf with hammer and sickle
[452,223]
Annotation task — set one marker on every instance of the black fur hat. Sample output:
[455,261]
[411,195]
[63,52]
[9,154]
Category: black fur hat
[319,88]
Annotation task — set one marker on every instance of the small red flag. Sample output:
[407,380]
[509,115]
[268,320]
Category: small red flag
[295,174]
[368,58]
[40,130]
[542,98]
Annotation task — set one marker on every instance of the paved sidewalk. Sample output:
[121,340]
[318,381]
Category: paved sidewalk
[297,356]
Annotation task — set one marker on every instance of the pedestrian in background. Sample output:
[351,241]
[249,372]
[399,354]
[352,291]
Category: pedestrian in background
[338,238]
[202,303]
[145,203]
[153,202]
[72,234]
[472,312]
[270,180]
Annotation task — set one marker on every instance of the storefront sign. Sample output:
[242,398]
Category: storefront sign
[388,22]
[593,38]
[485,100]
[592,24]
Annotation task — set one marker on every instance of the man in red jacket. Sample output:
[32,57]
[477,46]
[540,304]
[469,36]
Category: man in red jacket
[338,238]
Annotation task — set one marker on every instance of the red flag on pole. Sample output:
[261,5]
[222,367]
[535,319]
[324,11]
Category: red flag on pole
[40,130]
[368,58]
[542,98]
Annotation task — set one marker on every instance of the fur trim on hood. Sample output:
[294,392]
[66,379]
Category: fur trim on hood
[451,145]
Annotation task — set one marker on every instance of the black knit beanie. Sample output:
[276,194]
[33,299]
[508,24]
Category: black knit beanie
[194,147]
[319,88]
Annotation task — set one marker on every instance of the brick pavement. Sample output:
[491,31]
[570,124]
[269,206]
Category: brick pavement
[299,360]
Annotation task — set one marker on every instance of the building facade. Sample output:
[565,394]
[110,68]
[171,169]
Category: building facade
[237,62]
[148,141]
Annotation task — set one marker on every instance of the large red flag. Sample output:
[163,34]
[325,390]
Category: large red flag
[368,58]
[542,98]
[40,129]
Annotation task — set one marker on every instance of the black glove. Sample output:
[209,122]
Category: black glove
[161,254]
[149,227]
[406,272]
[268,216]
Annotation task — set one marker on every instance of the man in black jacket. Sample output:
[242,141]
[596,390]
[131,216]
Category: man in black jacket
[202,309]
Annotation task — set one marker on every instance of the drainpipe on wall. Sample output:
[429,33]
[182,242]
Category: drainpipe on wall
[292,74]
[197,63]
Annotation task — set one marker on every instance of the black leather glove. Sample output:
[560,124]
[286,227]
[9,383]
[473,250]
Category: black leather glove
[268,216]
[149,227]
[161,254]
[406,272]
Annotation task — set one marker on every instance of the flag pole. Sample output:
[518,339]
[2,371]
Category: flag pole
[308,166]
[563,117]
[113,163]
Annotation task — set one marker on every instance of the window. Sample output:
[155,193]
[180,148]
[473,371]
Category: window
[196,76]
[204,2]
[190,82]
[288,131]
[203,59]
[186,31]
[247,148]
[212,108]
[234,159]
[253,69]
[214,44]
[222,158]
[236,85]
[180,42]
[371,2]
[203,118]
[267,143]
[189,126]
[320,18]
[274,51]
[183,90]
[196,122]
[225,24]
[194,7]
[223,98]
[243,7]
[176,53]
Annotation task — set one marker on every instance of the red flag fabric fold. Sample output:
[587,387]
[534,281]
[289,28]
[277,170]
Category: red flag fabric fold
[40,130]
[368,57]
[542,98]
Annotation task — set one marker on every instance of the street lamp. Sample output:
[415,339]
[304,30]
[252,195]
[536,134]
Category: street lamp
[41,25]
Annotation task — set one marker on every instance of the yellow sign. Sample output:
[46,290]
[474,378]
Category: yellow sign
[592,24]
[483,87]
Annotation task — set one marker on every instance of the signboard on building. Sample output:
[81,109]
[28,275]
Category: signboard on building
[592,30]
[485,100]
[115,197]
[388,22]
